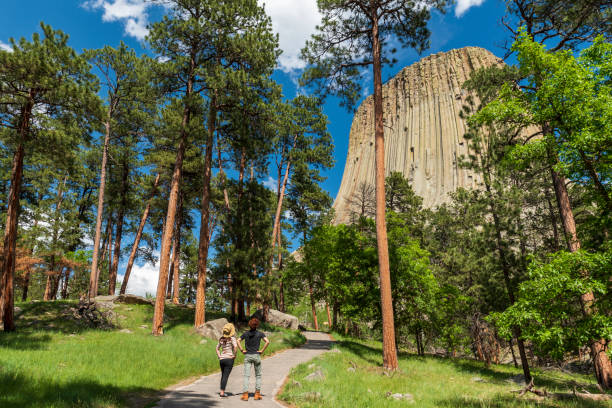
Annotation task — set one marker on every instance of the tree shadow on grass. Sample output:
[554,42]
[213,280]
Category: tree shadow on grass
[496,375]
[18,391]
[363,351]
[28,340]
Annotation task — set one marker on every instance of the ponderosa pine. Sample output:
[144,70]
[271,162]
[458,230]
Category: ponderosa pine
[45,86]
[352,36]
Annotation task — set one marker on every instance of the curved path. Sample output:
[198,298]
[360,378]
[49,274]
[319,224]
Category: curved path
[205,391]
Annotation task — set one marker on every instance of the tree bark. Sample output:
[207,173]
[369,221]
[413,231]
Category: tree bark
[200,312]
[281,296]
[141,226]
[281,195]
[389,347]
[93,277]
[7,273]
[601,361]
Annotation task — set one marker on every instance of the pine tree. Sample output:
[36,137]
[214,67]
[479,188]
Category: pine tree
[47,95]
[354,35]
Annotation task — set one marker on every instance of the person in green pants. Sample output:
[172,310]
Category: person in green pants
[252,341]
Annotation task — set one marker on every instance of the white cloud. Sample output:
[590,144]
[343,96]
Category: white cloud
[6,47]
[271,183]
[133,14]
[464,5]
[294,21]
[143,279]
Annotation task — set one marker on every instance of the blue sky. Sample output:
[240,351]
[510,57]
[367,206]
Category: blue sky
[95,23]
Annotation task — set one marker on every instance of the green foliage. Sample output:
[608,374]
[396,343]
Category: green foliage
[569,99]
[549,310]
[342,47]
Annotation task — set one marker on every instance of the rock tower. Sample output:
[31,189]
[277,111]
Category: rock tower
[423,130]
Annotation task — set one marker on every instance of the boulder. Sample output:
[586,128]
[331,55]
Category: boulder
[135,300]
[127,299]
[398,396]
[213,328]
[278,319]
[316,376]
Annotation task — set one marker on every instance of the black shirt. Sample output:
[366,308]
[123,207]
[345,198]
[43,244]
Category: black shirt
[252,340]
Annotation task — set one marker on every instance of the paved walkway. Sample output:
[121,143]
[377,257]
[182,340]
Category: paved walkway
[205,391]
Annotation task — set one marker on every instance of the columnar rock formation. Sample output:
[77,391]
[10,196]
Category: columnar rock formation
[423,131]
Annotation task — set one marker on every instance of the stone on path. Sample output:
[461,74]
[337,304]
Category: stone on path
[127,331]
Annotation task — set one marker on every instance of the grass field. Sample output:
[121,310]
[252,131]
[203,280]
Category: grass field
[431,381]
[52,362]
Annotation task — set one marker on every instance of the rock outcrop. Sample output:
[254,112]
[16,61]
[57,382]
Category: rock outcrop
[423,131]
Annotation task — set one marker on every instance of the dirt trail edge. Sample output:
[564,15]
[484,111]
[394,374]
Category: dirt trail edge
[205,391]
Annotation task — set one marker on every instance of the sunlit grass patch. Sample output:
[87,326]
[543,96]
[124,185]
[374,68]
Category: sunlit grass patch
[353,378]
[53,362]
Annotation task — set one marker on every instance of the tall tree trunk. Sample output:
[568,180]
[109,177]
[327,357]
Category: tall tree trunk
[200,312]
[386,301]
[93,277]
[601,361]
[112,277]
[329,322]
[281,195]
[312,305]
[164,262]
[7,273]
[143,221]
[281,295]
